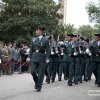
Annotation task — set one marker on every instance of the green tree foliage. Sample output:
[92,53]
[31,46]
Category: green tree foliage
[93,11]
[87,31]
[20,19]
[70,28]
[97,28]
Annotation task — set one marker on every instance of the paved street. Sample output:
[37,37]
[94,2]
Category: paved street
[21,87]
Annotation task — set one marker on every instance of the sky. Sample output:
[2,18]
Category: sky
[76,13]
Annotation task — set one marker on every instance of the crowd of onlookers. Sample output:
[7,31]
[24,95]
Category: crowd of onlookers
[13,59]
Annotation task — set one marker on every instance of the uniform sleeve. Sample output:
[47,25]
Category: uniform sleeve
[64,47]
[47,49]
[31,49]
[91,47]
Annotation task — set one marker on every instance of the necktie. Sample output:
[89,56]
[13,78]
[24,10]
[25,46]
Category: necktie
[38,39]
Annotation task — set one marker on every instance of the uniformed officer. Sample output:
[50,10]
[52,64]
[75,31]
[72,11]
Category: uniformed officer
[77,59]
[6,58]
[95,49]
[55,59]
[82,58]
[37,55]
[49,68]
[87,55]
[60,60]
[68,58]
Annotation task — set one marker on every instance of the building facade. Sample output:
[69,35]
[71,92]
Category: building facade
[63,10]
[1,5]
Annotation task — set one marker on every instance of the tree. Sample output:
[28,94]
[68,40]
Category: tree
[97,28]
[20,19]
[70,28]
[87,31]
[93,11]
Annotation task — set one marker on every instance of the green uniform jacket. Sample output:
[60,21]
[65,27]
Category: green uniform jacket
[69,51]
[39,50]
[95,52]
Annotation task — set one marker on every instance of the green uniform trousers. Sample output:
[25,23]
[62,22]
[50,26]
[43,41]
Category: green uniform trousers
[38,71]
[96,71]
[60,69]
[54,69]
[86,68]
[49,70]
[82,65]
[77,69]
[69,68]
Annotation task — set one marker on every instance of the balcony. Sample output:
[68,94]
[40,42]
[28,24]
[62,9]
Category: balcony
[1,6]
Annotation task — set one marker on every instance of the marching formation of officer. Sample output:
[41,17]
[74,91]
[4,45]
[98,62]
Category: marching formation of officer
[76,58]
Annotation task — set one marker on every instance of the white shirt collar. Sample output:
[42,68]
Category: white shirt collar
[40,37]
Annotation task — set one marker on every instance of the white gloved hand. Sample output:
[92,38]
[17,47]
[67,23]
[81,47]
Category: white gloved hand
[87,51]
[90,54]
[47,61]
[80,52]
[62,54]
[75,54]
[56,51]
[52,53]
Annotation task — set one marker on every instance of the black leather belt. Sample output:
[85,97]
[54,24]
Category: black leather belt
[70,55]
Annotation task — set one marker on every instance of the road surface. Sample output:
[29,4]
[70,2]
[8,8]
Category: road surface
[21,87]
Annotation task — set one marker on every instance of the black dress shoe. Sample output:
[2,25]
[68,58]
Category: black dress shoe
[38,90]
[81,82]
[83,79]
[89,78]
[48,82]
[65,78]
[70,84]
[53,81]
[98,85]
[76,82]
[86,80]
[59,79]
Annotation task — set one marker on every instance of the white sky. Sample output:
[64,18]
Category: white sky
[76,13]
